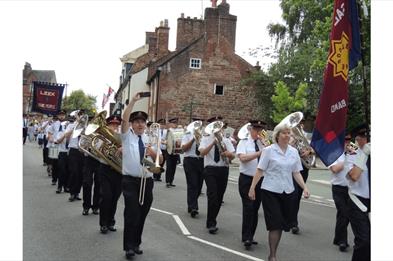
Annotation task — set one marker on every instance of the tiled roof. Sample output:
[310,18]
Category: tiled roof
[45,75]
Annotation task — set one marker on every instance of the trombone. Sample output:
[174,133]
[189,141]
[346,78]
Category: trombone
[154,138]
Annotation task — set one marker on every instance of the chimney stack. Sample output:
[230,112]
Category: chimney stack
[162,35]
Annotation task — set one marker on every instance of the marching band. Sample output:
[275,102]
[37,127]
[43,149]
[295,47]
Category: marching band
[117,155]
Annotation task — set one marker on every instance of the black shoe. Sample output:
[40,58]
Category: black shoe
[58,191]
[77,197]
[85,212]
[53,183]
[95,211]
[194,212]
[66,190]
[129,254]
[343,247]
[254,242]
[72,198]
[104,229]
[168,185]
[212,230]
[112,228]
[137,250]
[247,244]
[172,185]
[159,180]
[295,230]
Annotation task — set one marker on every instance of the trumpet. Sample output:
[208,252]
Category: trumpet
[154,167]
[351,147]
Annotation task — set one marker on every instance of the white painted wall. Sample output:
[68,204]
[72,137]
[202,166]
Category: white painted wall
[138,84]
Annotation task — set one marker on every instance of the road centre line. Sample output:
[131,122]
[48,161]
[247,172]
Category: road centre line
[225,248]
[182,227]
[188,234]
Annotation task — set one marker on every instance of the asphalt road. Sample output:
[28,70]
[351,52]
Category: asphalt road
[55,229]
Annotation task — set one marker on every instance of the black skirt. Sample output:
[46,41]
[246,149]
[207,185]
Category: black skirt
[276,209]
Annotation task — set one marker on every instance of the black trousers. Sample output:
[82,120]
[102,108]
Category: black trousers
[24,135]
[193,168]
[90,176]
[360,224]
[297,196]
[45,151]
[216,179]
[75,164]
[341,198]
[62,170]
[134,213]
[55,169]
[250,207]
[110,190]
[171,163]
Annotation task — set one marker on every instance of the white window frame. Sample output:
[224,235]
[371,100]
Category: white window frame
[214,90]
[195,60]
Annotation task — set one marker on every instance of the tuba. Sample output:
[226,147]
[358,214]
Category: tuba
[104,142]
[300,141]
[195,128]
[215,128]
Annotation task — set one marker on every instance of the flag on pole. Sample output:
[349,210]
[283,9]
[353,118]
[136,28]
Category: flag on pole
[104,100]
[110,91]
[344,54]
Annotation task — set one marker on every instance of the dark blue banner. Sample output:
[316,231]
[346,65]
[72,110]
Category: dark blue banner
[47,97]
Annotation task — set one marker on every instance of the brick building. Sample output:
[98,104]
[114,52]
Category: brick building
[30,75]
[202,77]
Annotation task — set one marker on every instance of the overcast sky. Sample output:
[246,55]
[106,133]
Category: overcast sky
[83,40]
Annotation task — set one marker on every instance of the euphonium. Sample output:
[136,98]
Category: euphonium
[80,125]
[195,128]
[300,141]
[105,142]
[215,128]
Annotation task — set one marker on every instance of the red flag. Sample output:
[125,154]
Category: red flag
[104,100]
[110,91]
[329,132]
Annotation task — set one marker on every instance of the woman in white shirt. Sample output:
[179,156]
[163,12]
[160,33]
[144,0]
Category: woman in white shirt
[278,164]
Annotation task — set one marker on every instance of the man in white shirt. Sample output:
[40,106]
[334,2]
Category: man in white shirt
[163,134]
[137,197]
[359,193]
[249,152]
[193,168]
[339,183]
[216,173]
[173,158]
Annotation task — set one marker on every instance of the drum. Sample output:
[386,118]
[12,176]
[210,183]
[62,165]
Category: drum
[174,141]
[53,151]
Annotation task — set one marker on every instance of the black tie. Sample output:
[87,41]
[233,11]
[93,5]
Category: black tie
[256,148]
[141,148]
[216,153]
[196,149]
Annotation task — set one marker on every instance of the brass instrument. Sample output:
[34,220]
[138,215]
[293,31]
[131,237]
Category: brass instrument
[351,147]
[154,138]
[174,138]
[80,125]
[300,141]
[215,128]
[85,145]
[105,143]
[244,133]
[195,128]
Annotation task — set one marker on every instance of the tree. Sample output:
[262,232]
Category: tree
[79,100]
[284,103]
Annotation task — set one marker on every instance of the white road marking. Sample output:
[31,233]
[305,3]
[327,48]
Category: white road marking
[315,196]
[162,211]
[225,248]
[182,227]
[321,181]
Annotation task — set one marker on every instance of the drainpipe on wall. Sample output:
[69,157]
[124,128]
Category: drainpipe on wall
[158,90]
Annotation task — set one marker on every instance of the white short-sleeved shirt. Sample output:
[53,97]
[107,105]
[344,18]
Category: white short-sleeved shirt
[163,133]
[360,187]
[53,129]
[209,157]
[191,152]
[340,177]
[74,142]
[247,146]
[131,159]
[278,168]
[59,134]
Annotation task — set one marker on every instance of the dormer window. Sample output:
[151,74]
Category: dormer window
[195,63]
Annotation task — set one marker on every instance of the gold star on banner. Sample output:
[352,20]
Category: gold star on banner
[339,57]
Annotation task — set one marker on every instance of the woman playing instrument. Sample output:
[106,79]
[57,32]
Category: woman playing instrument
[137,181]
[278,164]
